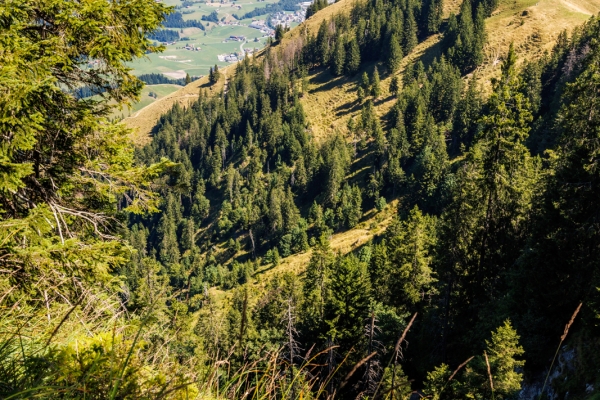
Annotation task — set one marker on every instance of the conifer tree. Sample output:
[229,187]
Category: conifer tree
[497,183]
[503,351]
[446,89]
[347,305]
[434,16]
[352,57]
[489,6]
[465,37]
[465,120]
[338,58]
[316,284]
[408,277]
[395,85]
[431,162]
[360,94]
[480,34]
[322,44]
[336,160]
[214,75]
[279,32]
[375,84]
[394,55]
[410,31]
[365,83]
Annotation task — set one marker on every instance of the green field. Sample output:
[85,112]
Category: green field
[211,41]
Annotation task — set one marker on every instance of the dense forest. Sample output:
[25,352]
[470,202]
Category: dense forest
[149,79]
[160,79]
[153,272]
[164,35]
[212,17]
[175,20]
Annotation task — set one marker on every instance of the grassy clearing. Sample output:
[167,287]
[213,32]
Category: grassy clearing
[533,26]
[330,104]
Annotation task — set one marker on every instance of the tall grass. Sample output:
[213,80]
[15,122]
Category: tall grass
[92,349]
[89,349]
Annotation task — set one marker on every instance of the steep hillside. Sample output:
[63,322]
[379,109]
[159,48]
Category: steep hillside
[532,26]
[143,121]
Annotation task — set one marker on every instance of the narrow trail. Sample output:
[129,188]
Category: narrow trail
[182,96]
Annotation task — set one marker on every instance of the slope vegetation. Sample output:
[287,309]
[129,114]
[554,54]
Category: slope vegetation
[533,26]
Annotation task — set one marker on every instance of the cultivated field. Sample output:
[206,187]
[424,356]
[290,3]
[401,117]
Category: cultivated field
[212,42]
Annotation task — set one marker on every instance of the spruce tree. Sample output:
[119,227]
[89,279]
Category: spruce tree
[394,55]
[487,217]
[375,84]
[279,32]
[348,301]
[434,14]
[360,94]
[322,44]
[317,285]
[365,83]
[338,58]
[216,75]
[352,57]
[480,35]
[466,116]
[410,252]
[410,31]
[503,352]
[395,85]
[489,6]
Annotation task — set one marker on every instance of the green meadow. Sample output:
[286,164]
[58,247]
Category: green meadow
[212,42]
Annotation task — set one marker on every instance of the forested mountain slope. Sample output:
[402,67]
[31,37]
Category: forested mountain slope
[426,230]
[308,144]
[532,26]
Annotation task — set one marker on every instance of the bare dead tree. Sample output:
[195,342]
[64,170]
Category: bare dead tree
[289,319]
[373,367]
[330,364]
[394,359]
[244,317]
[291,347]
